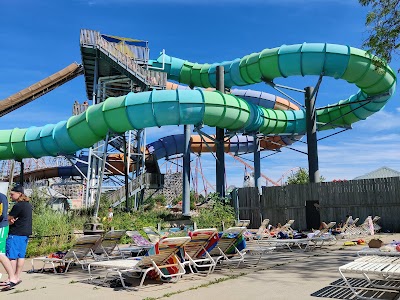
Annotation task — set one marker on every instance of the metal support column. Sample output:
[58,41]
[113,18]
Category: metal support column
[21,176]
[186,173]
[138,196]
[311,118]
[100,179]
[257,164]
[220,133]
[126,171]
[92,161]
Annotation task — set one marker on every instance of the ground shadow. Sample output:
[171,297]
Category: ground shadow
[339,290]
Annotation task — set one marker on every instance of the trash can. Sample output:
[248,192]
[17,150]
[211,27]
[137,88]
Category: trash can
[93,228]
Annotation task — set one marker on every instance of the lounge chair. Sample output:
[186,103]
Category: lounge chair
[79,253]
[385,268]
[109,244]
[139,244]
[375,220]
[287,229]
[196,250]
[164,262]
[259,233]
[230,247]
[322,237]
[314,240]
[348,230]
[242,223]
[153,235]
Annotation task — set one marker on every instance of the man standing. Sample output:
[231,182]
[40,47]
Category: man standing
[12,279]
[20,220]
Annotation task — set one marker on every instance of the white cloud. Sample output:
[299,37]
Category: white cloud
[381,121]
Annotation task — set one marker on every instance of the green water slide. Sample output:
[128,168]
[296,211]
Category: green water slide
[375,79]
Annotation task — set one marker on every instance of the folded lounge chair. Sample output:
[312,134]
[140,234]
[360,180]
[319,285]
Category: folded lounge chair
[164,262]
[79,253]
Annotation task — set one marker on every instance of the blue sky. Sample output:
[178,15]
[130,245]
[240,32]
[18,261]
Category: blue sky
[39,38]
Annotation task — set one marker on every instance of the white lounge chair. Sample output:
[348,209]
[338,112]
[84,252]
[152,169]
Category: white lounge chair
[226,250]
[385,268]
[139,244]
[164,259]
[109,245]
[79,253]
[196,254]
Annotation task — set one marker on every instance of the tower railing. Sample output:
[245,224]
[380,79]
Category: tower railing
[91,38]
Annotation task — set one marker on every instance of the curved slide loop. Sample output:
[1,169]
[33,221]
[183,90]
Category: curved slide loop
[159,108]
[374,77]
[141,110]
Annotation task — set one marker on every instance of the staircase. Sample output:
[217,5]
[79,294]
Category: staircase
[92,40]
[104,60]
[146,180]
[151,163]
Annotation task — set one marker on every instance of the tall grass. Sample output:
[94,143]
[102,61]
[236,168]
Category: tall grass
[53,231]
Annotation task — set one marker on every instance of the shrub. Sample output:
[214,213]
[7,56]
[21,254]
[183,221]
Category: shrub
[214,217]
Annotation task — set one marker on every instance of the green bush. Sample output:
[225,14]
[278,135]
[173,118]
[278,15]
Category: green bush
[213,217]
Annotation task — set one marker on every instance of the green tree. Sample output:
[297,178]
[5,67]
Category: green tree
[301,177]
[383,22]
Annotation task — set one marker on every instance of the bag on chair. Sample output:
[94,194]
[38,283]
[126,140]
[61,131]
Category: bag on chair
[375,243]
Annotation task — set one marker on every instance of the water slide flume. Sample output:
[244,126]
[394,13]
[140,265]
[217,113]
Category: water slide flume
[169,107]
[162,148]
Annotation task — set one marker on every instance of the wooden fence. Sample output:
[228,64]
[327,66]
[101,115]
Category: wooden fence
[359,198]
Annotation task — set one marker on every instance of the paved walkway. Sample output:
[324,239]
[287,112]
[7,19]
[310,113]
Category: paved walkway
[280,275]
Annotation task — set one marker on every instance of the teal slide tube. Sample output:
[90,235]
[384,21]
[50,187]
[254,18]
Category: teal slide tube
[375,79]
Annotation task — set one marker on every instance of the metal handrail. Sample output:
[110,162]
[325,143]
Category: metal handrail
[149,77]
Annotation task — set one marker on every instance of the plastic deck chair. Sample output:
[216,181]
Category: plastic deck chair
[109,244]
[139,244]
[196,250]
[153,235]
[242,223]
[79,253]
[164,262]
[230,247]
[375,220]
[259,233]
[386,268]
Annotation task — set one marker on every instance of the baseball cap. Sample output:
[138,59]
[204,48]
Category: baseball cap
[18,188]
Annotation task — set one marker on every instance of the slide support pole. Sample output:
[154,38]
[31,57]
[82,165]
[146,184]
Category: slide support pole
[220,133]
[311,118]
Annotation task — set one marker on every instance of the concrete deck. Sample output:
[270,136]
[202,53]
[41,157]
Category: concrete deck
[279,275]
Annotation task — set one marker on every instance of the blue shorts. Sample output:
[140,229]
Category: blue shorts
[16,246]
